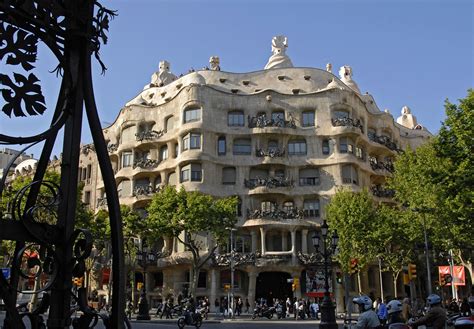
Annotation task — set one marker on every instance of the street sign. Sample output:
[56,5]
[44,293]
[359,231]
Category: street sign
[6,273]
[289,280]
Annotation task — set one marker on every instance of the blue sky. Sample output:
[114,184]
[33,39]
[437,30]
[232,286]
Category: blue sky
[415,53]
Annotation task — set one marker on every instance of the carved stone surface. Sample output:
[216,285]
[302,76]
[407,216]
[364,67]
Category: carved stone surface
[275,214]
[279,59]
[347,122]
[148,135]
[269,182]
[261,121]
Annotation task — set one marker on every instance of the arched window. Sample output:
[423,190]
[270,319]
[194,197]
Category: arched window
[191,141]
[267,206]
[288,206]
[272,145]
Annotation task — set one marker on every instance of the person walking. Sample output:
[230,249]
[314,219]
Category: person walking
[382,311]
[406,309]
[247,305]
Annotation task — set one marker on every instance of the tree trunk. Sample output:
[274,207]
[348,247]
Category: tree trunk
[194,280]
[359,285]
[395,289]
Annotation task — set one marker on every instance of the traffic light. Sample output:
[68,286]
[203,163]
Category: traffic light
[78,281]
[354,266]
[412,271]
[296,282]
[339,277]
[293,287]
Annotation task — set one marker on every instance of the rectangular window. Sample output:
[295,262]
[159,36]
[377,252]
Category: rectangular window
[325,146]
[308,119]
[87,197]
[343,145]
[236,119]
[191,115]
[242,147]
[195,141]
[127,159]
[309,176]
[164,153]
[311,208]
[221,146]
[228,175]
[202,279]
[196,172]
[297,148]
[185,174]
[340,114]
[360,153]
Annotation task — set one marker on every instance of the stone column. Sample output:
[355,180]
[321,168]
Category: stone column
[213,293]
[148,286]
[252,288]
[284,240]
[253,234]
[293,247]
[262,237]
[304,241]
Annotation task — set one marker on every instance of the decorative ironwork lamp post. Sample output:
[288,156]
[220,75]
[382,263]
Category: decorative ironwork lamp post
[144,258]
[328,315]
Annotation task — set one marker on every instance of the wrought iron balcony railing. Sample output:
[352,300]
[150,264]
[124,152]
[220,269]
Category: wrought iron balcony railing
[86,149]
[275,214]
[148,135]
[382,192]
[384,140]
[379,165]
[271,152]
[261,121]
[101,202]
[269,182]
[112,148]
[143,190]
[347,122]
[145,163]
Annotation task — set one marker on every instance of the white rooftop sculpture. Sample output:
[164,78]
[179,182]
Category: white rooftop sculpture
[279,59]
[162,77]
[345,72]
[407,119]
[214,63]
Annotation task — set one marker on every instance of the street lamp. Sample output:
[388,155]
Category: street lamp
[232,254]
[328,314]
[144,258]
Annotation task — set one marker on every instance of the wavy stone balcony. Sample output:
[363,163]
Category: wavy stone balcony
[263,122]
[148,135]
[253,258]
[347,122]
[268,182]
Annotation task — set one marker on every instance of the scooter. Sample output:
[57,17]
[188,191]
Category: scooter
[191,319]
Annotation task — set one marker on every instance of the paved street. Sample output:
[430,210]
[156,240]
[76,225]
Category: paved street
[227,324]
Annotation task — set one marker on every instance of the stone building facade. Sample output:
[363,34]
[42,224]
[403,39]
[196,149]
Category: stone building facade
[282,139]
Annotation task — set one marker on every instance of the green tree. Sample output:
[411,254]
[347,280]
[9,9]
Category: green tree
[455,145]
[187,216]
[353,216]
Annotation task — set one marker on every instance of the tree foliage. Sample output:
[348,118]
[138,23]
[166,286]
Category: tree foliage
[353,215]
[188,215]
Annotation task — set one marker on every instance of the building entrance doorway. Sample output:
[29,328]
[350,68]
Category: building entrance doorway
[273,285]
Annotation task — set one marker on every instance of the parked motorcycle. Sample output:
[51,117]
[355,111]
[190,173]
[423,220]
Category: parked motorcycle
[263,312]
[279,311]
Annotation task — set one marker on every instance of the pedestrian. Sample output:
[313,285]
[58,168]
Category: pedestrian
[314,310]
[247,305]
[406,309]
[216,305]
[382,311]
[296,307]
[288,307]
[225,306]
[239,306]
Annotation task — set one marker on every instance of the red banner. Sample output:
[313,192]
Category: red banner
[459,277]
[105,275]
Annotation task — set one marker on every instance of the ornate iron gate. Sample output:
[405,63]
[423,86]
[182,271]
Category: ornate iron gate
[41,216]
